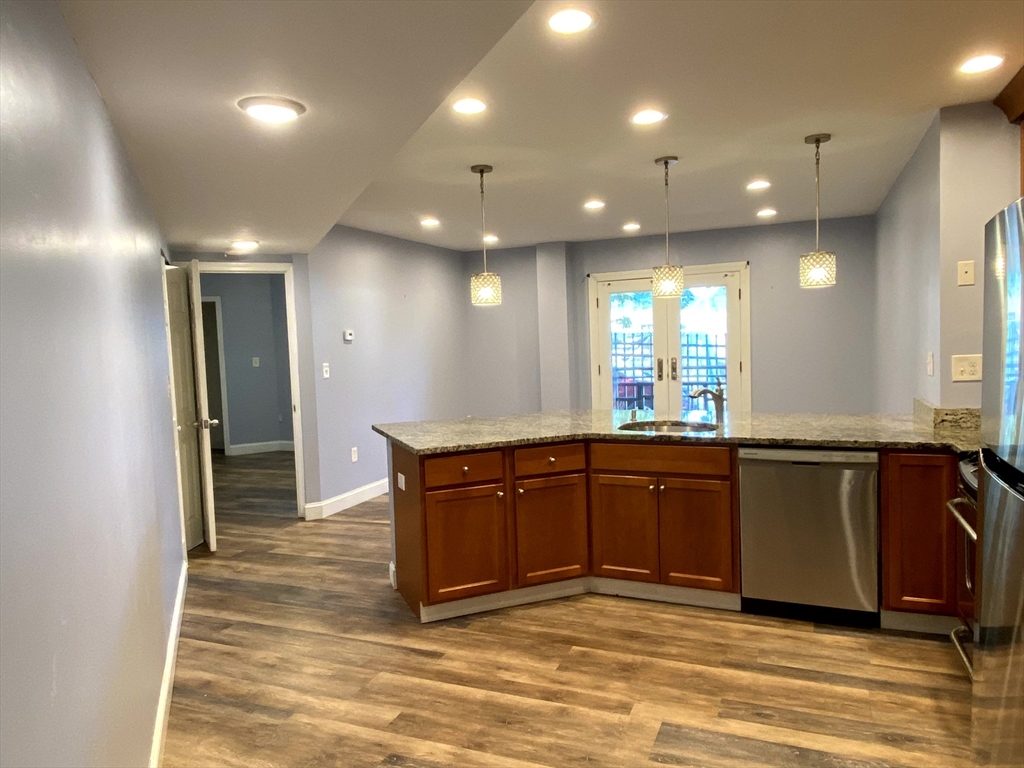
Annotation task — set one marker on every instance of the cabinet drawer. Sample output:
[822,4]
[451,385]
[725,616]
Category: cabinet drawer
[546,460]
[670,459]
[466,468]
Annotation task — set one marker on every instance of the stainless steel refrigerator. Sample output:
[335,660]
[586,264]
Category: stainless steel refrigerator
[998,694]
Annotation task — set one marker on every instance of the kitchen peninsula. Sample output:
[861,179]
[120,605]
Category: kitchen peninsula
[494,512]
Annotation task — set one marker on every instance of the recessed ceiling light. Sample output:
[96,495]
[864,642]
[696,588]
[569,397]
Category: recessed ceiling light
[268,109]
[767,213]
[981,64]
[631,226]
[570,21]
[469,106]
[429,222]
[490,238]
[245,246]
[648,116]
[594,205]
[758,184]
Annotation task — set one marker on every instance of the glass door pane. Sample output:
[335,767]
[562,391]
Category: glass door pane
[631,342]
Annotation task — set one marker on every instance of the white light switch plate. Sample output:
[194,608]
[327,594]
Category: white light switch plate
[930,365]
[965,273]
[401,481]
[966,367]
[355,454]
[255,362]
[327,370]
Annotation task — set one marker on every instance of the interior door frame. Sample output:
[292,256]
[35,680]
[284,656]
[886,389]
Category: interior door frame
[593,316]
[174,414]
[286,269]
[218,310]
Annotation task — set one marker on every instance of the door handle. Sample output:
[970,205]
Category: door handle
[675,369]
[661,369]
[206,423]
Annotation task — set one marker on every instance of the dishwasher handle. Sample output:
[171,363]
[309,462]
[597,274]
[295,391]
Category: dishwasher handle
[810,457]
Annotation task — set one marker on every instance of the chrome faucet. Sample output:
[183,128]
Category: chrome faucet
[718,395]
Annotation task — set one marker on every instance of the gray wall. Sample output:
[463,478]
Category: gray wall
[552,327]
[90,530]
[979,176]
[259,399]
[405,303]
[812,350]
[907,284]
[500,374]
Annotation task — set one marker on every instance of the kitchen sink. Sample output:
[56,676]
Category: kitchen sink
[668,426]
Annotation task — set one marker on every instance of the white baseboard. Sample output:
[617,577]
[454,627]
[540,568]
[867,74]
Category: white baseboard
[163,707]
[241,449]
[317,510]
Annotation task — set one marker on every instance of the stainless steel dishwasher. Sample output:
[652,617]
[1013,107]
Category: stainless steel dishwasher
[809,527]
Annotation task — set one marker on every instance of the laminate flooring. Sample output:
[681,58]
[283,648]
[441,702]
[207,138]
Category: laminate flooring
[255,484]
[295,651]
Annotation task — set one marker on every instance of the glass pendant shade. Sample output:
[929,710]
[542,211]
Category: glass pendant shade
[668,281]
[485,289]
[817,269]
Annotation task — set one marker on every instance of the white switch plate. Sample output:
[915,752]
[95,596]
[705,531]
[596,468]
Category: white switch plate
[965,273]
[930,364]
[255,362]
[327,370]
[401,481]
[966,367]
[355,454]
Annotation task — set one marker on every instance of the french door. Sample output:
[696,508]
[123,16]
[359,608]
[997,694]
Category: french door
[652,353]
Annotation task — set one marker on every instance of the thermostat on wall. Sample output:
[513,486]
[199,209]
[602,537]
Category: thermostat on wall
[349,336]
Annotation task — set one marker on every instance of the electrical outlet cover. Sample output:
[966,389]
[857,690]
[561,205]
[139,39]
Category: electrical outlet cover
[327,370]
[966,367]
[965,273]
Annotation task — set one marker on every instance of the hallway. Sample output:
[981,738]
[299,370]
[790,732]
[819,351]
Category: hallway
[255,484]
[295,651]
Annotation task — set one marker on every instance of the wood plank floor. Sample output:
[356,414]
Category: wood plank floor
[296,652]
[255,483]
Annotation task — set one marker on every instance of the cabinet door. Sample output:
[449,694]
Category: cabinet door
[918,544]
[624,520]
[466,542]
[695,521]
[551,529]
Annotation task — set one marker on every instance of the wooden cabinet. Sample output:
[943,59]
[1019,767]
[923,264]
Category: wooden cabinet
[551,529]
[696,533]
[624,526]
[918,535]
[467,543]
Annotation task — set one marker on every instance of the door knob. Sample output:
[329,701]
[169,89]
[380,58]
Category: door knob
[214,422]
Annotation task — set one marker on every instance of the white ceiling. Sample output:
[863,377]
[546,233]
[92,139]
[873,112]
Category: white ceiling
[742,82]
[370,73]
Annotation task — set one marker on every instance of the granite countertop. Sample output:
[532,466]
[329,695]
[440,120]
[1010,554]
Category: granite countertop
[784,429]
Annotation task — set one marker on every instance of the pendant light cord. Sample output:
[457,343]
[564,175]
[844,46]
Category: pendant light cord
[483,220]
[817,194]
[667,261]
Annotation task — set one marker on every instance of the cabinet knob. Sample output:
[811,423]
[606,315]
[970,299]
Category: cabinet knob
[551,459]
[651,488]
[661,488]
[522,491]
[465,470]
[501,494]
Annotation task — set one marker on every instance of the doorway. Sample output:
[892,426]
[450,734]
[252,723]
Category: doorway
[652,353]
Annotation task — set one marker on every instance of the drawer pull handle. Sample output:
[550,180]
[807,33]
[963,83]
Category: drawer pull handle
[465,470]
[522,491]
[501,494]
[952,505]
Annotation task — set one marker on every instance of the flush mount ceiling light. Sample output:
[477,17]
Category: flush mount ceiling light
[570,21]
[631,226]
[484,287]
[271,109]
[668,279]
[766,213]
[469,106]
[758,184]
[429,222]
[594,205]
[648,117]
[981,64]
[818,268]
[244,246]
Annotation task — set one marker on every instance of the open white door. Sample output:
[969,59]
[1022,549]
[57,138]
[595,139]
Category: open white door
[203,405]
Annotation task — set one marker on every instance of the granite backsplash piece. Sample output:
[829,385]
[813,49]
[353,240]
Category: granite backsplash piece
[946,418]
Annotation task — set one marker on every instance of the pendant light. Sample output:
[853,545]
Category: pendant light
[817,269]
[668,279]
[484,287]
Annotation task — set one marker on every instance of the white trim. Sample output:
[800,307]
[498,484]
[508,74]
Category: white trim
[174,413]
[286,269]
[919,622]
[163,707]
[219,314]
[317,510]
[662,593]
[243,449]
